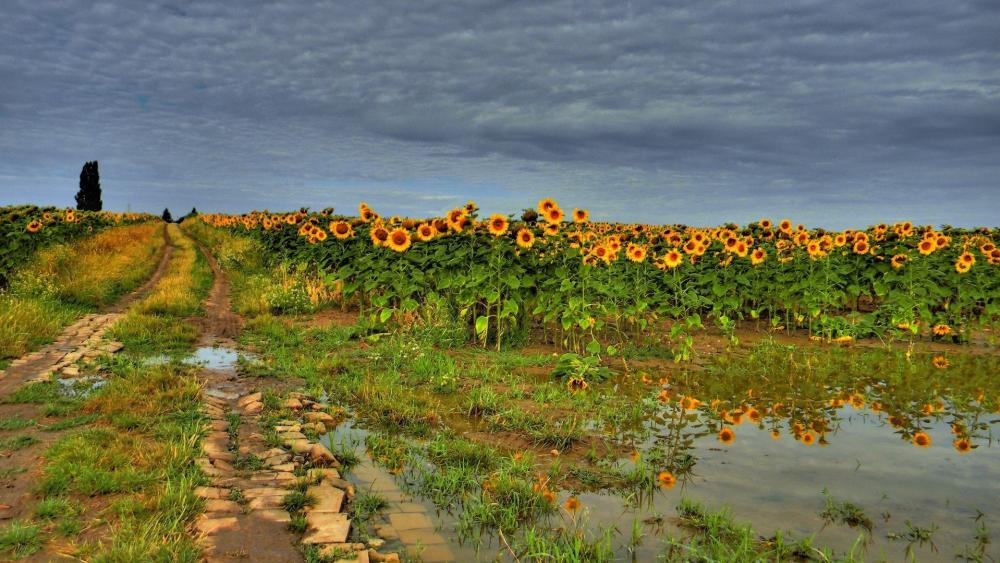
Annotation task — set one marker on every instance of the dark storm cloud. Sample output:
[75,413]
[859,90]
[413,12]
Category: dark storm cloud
[839,113]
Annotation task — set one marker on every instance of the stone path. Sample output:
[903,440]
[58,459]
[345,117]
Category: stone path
[81,340]
[245,516]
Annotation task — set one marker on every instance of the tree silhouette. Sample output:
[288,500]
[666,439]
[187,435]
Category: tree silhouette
[167,217]
[89,196]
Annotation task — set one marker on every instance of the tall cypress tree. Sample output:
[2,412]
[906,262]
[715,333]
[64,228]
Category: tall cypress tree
[89,196]
[166,216]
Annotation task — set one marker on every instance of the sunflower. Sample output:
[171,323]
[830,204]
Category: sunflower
[601,252]
[941,330]
[575,384]
[379,235]
[552,229]
[727,436]
[967,258]
[765,224]
[899,260]
[922,439]
[545,205]
[525,238]
[808,438]
[927,246]
[673,259]
[580,215]
[962,267]
[497,225]
[34,226]
[861,247]
[636,253]
[758,256]
[554,216]
[940,362]
[572,504]
[399,240]
[666,479]
[341,229]
[785,226]
[426,232]
[71,216]
[962,445]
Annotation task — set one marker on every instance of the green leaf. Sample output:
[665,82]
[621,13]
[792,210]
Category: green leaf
[482,325]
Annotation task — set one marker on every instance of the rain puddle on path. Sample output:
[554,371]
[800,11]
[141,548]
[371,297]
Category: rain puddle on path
[208,357]
[408,523]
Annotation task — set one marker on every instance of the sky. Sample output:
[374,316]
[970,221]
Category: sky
[836,114]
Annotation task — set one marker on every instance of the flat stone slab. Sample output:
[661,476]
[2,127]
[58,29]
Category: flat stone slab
[423,536]
[327,527]
[220,505]
[328,498]
[273,515]
[410,521]
[210,492]
[211,526]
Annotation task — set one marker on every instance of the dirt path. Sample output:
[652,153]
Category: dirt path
[81,341]
[244,516]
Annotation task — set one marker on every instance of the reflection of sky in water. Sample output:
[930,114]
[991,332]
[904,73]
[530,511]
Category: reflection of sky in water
[208,357]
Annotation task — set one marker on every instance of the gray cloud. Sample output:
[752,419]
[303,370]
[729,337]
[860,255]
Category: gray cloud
[835,113]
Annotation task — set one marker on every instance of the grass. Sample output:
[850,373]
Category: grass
[64,281]
[563,545]
[19,539]
[158,324]
[15,423]
[182,288]
[717,537]
[15,443]
[136,454]
[845,512]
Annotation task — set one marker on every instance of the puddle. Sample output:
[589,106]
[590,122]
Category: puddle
[910,442]
[81,387]
[208,357]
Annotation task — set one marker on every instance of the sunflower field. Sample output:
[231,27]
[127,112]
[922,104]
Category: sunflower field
[26,228]
[594,286]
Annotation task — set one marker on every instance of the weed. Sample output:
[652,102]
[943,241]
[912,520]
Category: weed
[845,512]
[20,539]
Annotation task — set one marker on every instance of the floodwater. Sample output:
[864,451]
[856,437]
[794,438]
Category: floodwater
[902,435]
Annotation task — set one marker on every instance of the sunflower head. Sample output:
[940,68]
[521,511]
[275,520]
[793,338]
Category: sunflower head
[636,252]
[580,215]
[34,226]
[379,235]
[497,224]
[525,238]
[545,205]
[554,216]
[399,240]
[426,232]
[341,230]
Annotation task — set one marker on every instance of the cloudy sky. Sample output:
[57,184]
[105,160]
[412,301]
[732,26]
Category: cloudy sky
[833,113]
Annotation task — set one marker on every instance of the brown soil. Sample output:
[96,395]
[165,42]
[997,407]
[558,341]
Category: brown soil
[332,317]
